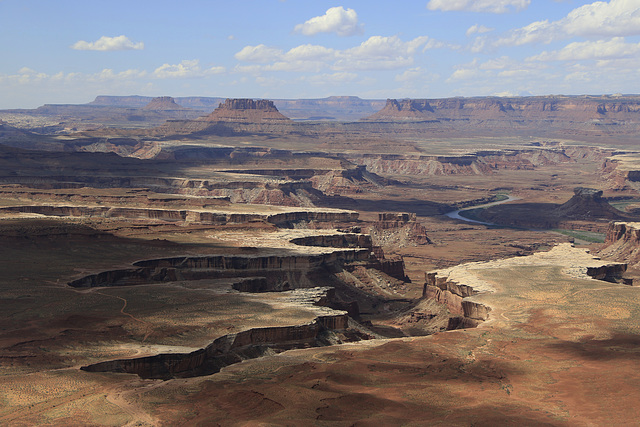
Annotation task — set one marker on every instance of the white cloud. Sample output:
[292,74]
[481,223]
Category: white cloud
[185,69]
[616,18]
[591,50]
[108,74]
[380,52]
[500,63]
[463,74]
[490,6]
[259,54]
[105,43]
[335,20]
[308,52]
[536,32]
[478,29]
[493,70]
[375,53]
[28,76]
[410,75]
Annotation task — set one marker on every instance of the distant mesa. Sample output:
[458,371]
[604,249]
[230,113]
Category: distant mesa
[590,109]
[163,103]
[246,110]
[405,109]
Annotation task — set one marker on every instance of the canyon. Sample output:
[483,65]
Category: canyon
[195,260]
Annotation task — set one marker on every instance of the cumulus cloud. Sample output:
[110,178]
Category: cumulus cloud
[185,69]
[105,43]
[108,74]
[343,22]
[308,52]
[375,53]
[489,6]
[614,19]
[259,54]
[380,52]
[478,29]
[591,50]
[463,74]
[494,69]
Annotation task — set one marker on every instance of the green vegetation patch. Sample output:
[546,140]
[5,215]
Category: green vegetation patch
[587,236]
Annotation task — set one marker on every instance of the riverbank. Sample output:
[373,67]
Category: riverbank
[457,213]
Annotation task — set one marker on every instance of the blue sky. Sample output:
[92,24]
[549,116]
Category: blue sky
[69,51]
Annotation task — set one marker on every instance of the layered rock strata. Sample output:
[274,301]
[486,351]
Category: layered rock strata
[461,288]
[622,243]
[539,108]
[163,103]
[246,110]
[282,272]
[281,219]
[234,348]
[466,314]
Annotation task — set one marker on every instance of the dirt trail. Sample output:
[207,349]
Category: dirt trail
[149,327]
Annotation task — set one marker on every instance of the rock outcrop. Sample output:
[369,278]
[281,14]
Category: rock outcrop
[465,313]
[246,110]
[163,103]
[478,163]
[405,109]
[281,272]
[587,203]
[210,217]
[623,243]
[398,230]
[328,327]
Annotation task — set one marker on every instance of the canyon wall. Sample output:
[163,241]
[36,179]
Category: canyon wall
[281,272]
[465,313]
[226,350]
[285,219]
[623,243]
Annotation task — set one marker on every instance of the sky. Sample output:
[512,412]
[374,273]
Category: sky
[70,51]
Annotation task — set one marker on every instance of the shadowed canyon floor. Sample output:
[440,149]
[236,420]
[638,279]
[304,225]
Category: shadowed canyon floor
[243,274]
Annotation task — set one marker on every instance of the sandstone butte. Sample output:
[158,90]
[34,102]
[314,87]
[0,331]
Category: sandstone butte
[163,103]
[246,110]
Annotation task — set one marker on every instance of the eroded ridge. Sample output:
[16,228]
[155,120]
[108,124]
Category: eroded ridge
[467,292]
[466,313]
[329,327]
[294,275]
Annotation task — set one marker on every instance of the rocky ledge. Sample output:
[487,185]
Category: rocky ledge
[330,327]
[462,287]
[623,243]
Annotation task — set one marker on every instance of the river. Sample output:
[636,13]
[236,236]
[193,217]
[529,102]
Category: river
[456,214]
